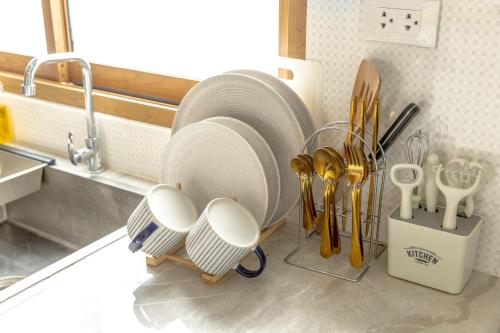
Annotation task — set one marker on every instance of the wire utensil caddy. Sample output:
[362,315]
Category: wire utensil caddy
[306,253]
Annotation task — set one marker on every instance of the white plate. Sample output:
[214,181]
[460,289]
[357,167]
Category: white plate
[260,106]
[300,109]
[266,157]
[212,161]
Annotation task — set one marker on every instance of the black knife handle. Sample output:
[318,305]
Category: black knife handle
[397,127]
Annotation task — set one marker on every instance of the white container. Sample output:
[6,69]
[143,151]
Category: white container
[421,251]
[19,176]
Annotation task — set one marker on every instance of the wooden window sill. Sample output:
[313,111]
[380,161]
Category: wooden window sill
[138,109]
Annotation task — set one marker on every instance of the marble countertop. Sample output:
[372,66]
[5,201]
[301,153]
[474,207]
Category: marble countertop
[113,291]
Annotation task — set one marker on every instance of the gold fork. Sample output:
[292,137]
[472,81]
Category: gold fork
[357,172]
[348,140]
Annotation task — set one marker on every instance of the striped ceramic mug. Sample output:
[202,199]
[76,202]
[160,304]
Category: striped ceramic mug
[223,235]
[162,219]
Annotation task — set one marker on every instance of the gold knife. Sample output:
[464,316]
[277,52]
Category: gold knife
[371,194]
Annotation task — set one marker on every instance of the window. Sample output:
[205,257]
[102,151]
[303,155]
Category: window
[21,26]
[146,55]
[189,38]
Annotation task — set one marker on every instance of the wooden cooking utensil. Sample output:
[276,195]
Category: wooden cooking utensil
[367,85]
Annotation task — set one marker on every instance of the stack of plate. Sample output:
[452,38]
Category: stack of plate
[234,136]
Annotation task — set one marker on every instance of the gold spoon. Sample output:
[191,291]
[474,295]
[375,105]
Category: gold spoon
[324,163]
[339,172]
[300,169]
[308,160]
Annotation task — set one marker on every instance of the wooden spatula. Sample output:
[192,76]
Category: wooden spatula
[367,86]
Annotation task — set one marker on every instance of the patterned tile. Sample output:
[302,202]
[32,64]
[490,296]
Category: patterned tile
[456,84]
[128,146]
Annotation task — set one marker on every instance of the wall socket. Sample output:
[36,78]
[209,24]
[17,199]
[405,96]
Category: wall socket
[413,22]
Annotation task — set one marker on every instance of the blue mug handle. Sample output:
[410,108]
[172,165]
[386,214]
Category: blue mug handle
[262,260]
[141,237]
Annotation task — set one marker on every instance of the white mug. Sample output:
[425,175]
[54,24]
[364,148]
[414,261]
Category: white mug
[162,219]
[223,235]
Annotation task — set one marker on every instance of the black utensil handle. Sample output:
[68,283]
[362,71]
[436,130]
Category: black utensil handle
[138,240]
[27,154]
[397,127]
[262,260]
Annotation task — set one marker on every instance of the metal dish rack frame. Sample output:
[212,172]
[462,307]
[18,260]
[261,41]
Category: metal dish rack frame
[375,246]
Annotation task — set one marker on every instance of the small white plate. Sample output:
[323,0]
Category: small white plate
[266,157]
[212,161]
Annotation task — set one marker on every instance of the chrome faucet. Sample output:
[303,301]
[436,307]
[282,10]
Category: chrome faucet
[91,152]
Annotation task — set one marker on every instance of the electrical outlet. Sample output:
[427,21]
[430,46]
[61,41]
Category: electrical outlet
[399,21]
[413,22]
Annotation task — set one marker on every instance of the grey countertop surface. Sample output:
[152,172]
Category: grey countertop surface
[112,290]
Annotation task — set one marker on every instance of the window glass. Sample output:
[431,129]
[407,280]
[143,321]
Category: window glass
[187,38]
[21,27]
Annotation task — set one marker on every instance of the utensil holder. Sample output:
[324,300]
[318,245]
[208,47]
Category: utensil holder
[306,253]
[421,251]
[176,256]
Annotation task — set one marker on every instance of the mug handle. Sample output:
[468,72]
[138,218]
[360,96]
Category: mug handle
[138,240]
[262,260]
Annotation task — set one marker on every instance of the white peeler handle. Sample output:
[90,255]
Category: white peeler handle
[405,210]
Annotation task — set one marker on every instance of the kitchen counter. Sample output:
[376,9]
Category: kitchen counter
[112,290]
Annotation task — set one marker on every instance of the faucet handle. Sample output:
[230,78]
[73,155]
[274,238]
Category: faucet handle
[71,149]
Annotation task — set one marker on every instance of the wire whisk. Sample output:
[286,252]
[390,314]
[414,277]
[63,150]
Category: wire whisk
[416,148]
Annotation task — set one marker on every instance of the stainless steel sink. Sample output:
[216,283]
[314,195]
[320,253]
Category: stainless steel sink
[19,176]
[66,220]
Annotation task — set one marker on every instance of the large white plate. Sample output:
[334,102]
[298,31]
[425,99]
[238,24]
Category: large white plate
[212,161]
[301,111]
[266,157]
[260,106]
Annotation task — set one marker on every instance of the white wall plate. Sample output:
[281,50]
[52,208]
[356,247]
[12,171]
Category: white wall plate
[413,22]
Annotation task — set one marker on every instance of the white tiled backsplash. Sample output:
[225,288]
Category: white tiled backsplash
[457,86]
[128,146]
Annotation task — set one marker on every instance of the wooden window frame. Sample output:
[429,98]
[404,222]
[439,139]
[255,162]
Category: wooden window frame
[131,94]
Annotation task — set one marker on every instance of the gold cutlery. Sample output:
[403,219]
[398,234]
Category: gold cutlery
[340,160]
[308,161]
[329,168]
[371,193]
[362,124]
[300,169]
[322,162]
[357,172]
[340,165]
[362,121]
[345,197]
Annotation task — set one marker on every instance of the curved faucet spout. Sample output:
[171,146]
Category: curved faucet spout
[28,88]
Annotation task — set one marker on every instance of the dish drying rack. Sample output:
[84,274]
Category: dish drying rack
[306,253]
[175,255]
